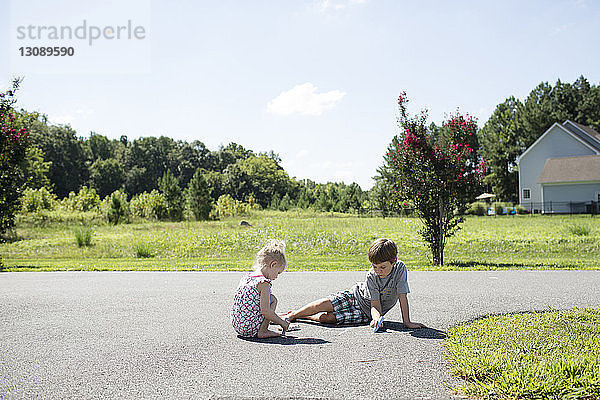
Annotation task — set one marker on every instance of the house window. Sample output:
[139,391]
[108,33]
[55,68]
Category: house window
[526,194]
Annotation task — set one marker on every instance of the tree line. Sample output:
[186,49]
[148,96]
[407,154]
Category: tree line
[54,157]
[62,162]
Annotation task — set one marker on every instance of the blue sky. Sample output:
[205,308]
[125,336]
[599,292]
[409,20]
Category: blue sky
[315,81]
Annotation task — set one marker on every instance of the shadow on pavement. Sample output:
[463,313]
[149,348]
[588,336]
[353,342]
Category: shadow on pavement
[309,322]
[285,340]
[422,333]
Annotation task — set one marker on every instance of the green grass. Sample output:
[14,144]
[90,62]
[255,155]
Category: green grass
[579,230]
[83,235]
[314,242]
[548,355]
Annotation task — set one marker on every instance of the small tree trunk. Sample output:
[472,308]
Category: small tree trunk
[441,234]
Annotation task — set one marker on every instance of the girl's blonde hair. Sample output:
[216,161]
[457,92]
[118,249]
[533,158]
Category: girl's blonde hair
[274,250]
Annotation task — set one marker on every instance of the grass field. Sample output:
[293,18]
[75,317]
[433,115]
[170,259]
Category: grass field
[549,355]
[314,242]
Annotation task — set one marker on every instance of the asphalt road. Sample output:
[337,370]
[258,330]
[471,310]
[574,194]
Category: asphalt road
[167,335]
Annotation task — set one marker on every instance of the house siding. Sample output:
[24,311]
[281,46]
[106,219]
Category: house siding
[558,196]
[555,143]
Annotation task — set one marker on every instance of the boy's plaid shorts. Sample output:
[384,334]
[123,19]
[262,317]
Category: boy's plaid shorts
[346,308]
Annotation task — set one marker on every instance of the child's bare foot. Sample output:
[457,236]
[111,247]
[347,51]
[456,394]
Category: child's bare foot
[267,334]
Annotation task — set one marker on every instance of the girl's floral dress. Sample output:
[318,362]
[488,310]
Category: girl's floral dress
[245,313]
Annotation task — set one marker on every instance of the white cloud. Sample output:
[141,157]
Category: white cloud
[69,119]
[325,5]
[64,119]
[304,100]
[302,153]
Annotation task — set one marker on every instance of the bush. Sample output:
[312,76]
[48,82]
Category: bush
[35,200]
[198,197]
[169,187]
[148,205]
[477,208]
[118,208]
[14,133]
[86,200]
[57,217]
[83,236]
[227,206]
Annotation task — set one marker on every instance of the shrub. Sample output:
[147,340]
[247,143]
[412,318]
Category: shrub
[118,208]
[61,217]
[227,206]
[148,205]
[198,197]
[83,235]
[35,200]
[477,208]
[169,187]
[14,133]
[86,200]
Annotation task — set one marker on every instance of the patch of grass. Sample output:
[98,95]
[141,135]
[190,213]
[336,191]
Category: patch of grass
[143,250]
[315,241]
[542,355]
[579,229]
[83,235]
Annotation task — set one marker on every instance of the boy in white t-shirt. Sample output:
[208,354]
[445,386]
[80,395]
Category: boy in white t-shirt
[370,300]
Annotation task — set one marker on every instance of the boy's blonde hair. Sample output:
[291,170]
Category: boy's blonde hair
[274,250]
[383,250]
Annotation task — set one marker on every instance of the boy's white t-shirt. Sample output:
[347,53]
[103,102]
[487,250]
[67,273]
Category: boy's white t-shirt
[385,289]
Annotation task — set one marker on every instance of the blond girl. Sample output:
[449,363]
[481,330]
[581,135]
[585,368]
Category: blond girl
[253,304]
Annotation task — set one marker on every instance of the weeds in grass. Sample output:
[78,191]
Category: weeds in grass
[579,230]
[143,250]
[314,242]
[544,355]
[83,235]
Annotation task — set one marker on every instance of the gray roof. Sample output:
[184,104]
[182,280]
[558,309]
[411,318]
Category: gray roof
[585,133]
[571,169]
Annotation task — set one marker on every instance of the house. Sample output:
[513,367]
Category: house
[560,172]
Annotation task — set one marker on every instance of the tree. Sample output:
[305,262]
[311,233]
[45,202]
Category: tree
[198,197]
[500,148]
[169,187]
[14,131]
[68,170]
[106,176]
[100,147]
[437,170]
[36,169]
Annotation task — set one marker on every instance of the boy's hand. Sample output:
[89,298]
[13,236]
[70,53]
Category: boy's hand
[413,325]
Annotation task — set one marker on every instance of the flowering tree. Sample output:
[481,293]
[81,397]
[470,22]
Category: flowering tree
[437,169]
[13,147]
